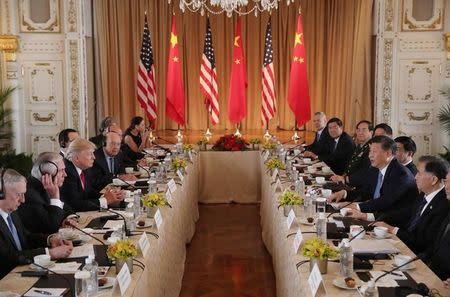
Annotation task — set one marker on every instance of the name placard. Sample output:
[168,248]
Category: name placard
[172,185]
[180,175]
[274,173]
[298,240]
[190,156]
[169,196]
[158,218]
[124,279]
[290,218]
[144,244]
[315,281]
[265,156]
[278,185]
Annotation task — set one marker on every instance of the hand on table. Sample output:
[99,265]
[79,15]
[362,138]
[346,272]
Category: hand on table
[337,178]
[113,195]
[69,221]
[356,214]
[59,252]
[56,240]
[337,196]
[309,154]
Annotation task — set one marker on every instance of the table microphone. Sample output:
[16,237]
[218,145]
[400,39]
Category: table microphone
[363,230]
[84,232]
[396,268]
[127,232]
[145,169]
[127,183]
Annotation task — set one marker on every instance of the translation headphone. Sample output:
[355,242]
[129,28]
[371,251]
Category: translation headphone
[42,171]
[2,182]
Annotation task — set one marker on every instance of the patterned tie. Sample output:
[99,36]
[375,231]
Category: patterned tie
[82,179]
[318,136]
[111,164]
[416,218]
[14,234]
[376,193]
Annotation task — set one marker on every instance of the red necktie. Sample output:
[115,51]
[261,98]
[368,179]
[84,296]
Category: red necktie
[82,179]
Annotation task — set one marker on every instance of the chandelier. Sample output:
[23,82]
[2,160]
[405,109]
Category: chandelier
[230,6]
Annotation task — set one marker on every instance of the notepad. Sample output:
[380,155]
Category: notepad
[82,251]
[367,246]
[39,292]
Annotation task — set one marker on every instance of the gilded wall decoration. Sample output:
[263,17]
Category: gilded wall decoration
[72,16]
[435,23]
[74,83]
[389,15]
[387,79]
[27,25]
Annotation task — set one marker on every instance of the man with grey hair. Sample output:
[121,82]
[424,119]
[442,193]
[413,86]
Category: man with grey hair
[43,210]
[322,137]
[17,245]
[77,190]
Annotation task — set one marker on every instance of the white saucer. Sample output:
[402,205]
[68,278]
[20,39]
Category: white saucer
[377,237]
[109,283]
[407,267]
[148,223]
[37,268]
[305,222]
[340,283]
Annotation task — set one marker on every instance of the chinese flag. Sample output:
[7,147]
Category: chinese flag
[237,103]
[174,85]
[298,93]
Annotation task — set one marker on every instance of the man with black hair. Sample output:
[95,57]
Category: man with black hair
[382,129]
[431,206]
[65,137]
[406,148]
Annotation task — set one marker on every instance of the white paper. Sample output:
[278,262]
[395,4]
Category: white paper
[124,279]
[290,219]
[298,240]
[314,280]
[172,185]
[388,280]
[82,251]
[275,173]
[112,224]
[339,224]
[278,185]
[54,292]
[363,246]
[265,156]
[169,196]
[144,244]
[68,267]
[180,175]
[158,218]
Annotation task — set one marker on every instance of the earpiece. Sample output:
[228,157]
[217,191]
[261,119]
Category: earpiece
[42,171]
[2,183]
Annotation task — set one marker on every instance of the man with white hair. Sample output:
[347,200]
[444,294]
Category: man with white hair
[43,210]
[77,190]
[17,245]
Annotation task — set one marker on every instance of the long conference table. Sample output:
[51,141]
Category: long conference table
[219,177]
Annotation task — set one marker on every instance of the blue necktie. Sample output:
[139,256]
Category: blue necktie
[376,193]
[111,165]
[416,218]
[14,234]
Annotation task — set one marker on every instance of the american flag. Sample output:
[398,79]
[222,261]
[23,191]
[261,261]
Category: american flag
[268,103]
[208,77]
[146,87]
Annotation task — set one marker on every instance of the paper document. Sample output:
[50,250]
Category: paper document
[389,280]
[82,251]
[111,224]
[68,267]
[367,246]
[45,292]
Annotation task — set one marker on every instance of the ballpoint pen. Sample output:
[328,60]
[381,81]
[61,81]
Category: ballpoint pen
[42,292]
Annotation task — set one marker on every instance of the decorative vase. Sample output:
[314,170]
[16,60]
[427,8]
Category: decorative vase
[151,212]
[287,209]
[321,263]
[255,146]
[121,262]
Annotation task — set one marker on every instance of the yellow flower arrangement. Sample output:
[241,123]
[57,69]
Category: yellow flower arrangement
[255,141]
[269,145]
[178,163]
[154,200]
[188,147]
[289,198]
[273,163]
[317,248]
[202,141]
[122,249]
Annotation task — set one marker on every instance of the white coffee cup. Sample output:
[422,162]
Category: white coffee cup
[42,260]
[127,193]
[311,169]
[380,232]
[129,169]
[67,233]
[401,259]
[326,192]
[326,169]
[320,180]
[355,231]
[307,160]
[344,211]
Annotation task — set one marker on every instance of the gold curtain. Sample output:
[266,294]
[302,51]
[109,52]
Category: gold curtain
[338,46]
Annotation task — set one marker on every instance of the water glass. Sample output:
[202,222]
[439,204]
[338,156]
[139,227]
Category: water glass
[81,282]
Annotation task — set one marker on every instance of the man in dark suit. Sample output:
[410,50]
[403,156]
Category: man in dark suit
[109,162]
[43,210]
[406,148]
[383,129]
[337,152]
[389,185]
[430,209]
[77,190]
[65,137]
[17,245]
[436,257]
[322,137]
[104,128]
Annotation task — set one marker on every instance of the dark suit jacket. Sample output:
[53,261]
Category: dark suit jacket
[412,168]
[359,160]
[97,140]
[398,190]
[437,257]
[32,244]
[37,214]
[426,230]
[100,171]
[340,157]
[319,145]
[72,191]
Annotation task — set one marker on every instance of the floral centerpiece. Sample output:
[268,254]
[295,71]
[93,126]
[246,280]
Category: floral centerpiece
[319,252]
[178,163]
[188,147]
[152,201]
[289,200]
[230,143]
[273,163]
[255,143]
[269,145]
[202,144]
[122,252]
